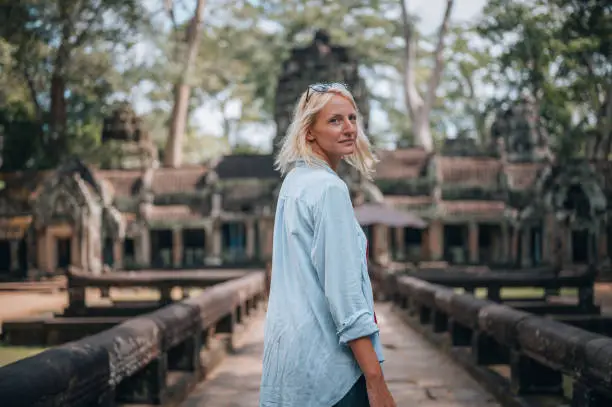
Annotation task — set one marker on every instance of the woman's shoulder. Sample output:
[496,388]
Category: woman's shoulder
[316,184]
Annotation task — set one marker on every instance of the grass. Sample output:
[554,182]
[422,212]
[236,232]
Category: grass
[10,354]
[510,293]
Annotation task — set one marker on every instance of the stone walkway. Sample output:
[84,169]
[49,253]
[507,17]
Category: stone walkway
[418,375]
[15,305]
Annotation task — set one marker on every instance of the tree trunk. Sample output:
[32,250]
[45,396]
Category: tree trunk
[55,141]
[173,154]
[419,108]
[422,130]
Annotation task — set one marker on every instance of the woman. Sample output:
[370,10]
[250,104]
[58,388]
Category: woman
[321,346]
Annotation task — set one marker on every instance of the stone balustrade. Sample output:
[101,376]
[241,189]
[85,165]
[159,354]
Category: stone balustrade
[538,350]
[156,358]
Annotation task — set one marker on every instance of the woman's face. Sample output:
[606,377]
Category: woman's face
[334,132]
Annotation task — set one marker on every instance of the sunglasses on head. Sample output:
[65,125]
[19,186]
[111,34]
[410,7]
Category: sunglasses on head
[324,87]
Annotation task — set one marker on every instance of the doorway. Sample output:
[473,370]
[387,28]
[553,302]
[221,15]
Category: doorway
[64,253]
[5,257]
[580,246]
[455,244]
[194,247]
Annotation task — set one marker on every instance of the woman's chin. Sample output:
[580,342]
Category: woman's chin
[348,150]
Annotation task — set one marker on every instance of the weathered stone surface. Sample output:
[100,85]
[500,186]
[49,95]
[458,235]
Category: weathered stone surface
[555,344]
[519,132]
[501,322]
[75,375]
[444,300]
[599,360]
[465,309]
[129,359]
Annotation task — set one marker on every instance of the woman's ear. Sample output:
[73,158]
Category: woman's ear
[309,137]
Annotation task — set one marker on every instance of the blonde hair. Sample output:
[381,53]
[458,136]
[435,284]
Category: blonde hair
[295,147]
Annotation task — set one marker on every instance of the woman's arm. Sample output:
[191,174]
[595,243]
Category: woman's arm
[378,391]
[366,357]
[337,258]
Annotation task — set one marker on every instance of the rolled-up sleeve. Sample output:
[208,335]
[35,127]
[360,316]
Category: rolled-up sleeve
[337,259]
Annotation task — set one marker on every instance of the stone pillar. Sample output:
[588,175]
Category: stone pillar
[118,253]
[177,247]
[436,240]
[603,245]
[250,238]
[548,238]
[75,256]
[525,249]
[505,243]
[380,244]
[515,244]
[399,243]
[474,255]
[50,249]
[208,242]
[83,245]
[267,231]
[566,235]
[216,241]
[143,249]
[14,247]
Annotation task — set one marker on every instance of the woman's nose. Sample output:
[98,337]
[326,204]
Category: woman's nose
[349,126]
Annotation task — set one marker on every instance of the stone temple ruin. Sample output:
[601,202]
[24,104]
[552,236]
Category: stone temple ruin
[480,206]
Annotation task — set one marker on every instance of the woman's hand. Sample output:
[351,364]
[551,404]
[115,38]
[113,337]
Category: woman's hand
[378,392]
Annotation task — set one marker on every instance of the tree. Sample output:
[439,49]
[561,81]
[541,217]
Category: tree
[61,66]
[462,104]
[187,51]
[557,52]
[585,39]
[419,107]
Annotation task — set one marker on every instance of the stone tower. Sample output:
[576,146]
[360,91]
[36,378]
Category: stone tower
[520,134]
[129,143]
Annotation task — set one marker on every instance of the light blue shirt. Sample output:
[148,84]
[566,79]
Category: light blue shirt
[320,293]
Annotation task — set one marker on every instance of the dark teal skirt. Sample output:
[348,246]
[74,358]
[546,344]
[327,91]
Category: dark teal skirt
[357,396]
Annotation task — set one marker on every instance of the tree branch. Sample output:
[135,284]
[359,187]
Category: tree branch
[434,80]
[414,101]
[606,124]
[169,5]
[33,95]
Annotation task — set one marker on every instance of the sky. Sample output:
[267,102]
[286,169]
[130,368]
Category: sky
[430,12]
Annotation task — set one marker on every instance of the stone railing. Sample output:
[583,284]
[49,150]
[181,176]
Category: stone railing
[539,351]
[493,282]
[155,358]
[164,281]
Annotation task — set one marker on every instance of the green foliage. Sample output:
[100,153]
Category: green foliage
[58,69]
[557,52]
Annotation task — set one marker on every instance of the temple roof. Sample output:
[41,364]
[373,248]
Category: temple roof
[401,164]
[177,180]
[475,171]
[376,214]
[247,166]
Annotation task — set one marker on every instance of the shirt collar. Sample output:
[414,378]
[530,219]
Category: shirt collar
[315,162]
